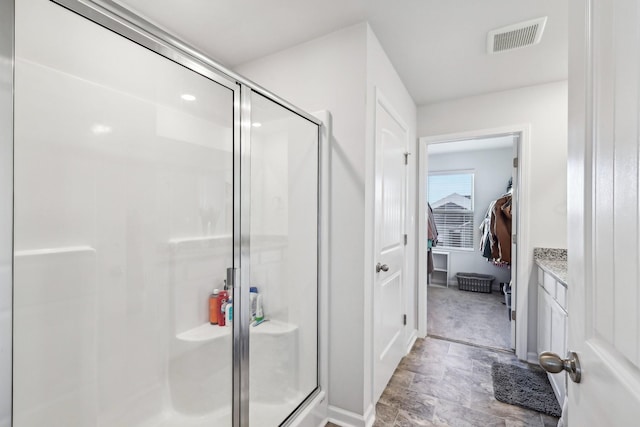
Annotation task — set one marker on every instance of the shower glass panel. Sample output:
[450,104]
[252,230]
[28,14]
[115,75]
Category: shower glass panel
[123,227]
[283,261]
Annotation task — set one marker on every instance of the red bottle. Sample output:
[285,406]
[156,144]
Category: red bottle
[214,307]
[223,297]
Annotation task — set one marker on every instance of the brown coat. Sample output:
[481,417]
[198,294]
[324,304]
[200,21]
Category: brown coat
[501,229]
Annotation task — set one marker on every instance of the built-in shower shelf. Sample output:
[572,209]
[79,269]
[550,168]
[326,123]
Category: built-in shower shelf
[273,327]
[208,332]
[53,251]
[200,239]
[195,245]
[205,332]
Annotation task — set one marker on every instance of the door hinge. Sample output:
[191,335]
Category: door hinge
[405,239]
[404,319]
[513,315]
[515,162]
[514,239]
[406,158]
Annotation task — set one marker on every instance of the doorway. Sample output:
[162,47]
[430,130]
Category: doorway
[462,291]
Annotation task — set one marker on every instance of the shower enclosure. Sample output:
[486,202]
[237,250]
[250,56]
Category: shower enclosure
[145,177]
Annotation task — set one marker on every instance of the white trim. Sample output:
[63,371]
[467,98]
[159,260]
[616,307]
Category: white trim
[532,357]
[412,340]
[346,418]
[524,255]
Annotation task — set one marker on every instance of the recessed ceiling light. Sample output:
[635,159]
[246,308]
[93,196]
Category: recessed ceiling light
[188,97]
[256,124]
[99,129]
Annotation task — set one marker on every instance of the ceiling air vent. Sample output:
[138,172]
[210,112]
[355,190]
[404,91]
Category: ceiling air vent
[516,36]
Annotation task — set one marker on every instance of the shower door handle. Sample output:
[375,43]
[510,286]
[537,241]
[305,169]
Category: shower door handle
[383,267]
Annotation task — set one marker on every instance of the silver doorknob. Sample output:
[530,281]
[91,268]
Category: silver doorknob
[553,363]
[383,267]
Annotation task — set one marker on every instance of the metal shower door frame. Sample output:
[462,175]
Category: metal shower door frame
[123,22]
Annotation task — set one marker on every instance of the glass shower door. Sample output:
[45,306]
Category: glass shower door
[283,261]
[124,188]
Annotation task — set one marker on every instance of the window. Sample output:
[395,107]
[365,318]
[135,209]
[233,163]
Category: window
[451,198]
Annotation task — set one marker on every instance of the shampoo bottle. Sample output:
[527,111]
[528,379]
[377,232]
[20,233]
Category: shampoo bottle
[253,295]
[214,307]
[259,309]
[223,297]
[228,312]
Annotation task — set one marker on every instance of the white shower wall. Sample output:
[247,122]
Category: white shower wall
[123,220]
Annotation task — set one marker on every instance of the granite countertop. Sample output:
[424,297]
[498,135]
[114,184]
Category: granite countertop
[553,261]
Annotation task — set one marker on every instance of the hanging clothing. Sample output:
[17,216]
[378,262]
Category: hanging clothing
[485,232]
[496,231]
[432,236]
[502,229]
[432,229]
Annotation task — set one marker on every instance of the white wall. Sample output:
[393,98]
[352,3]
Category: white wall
[340,73]
[492,170]
[544,109]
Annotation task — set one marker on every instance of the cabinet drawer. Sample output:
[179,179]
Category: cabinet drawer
[549,284]
[561,296]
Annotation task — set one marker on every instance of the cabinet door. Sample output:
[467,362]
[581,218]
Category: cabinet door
[558,345]
[544,321]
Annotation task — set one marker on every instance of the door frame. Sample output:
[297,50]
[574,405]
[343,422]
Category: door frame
[524,256]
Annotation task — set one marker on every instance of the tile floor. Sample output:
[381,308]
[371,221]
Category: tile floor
[445,383]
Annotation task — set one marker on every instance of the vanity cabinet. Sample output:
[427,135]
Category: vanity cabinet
[552,323]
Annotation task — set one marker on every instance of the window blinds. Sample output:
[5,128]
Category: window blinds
[451,198]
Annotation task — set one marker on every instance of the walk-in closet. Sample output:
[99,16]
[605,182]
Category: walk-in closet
[470,205]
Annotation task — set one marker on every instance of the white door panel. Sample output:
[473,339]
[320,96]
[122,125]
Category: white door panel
[604,252]
[388,298]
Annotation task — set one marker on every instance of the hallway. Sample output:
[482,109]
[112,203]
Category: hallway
[443,383]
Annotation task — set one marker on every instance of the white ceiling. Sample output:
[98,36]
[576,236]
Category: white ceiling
[437,46]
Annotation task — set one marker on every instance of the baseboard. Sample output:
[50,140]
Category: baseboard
[370,416]
[532,358]
[346,418]
[412,340]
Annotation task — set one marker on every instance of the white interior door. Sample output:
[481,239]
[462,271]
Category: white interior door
[390,198]
[604,296]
